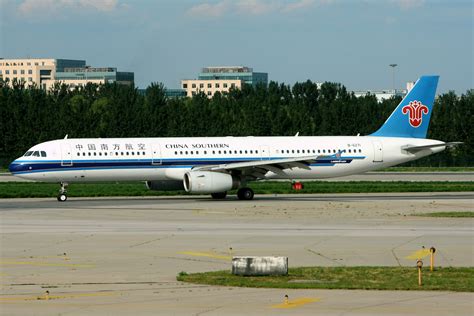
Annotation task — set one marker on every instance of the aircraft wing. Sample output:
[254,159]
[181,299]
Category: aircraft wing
[258,168]
[418,148]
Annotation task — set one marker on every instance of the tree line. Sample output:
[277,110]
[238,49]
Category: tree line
[29,115]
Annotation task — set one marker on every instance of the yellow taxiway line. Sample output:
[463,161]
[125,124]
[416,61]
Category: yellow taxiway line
[296,302]
[206,254]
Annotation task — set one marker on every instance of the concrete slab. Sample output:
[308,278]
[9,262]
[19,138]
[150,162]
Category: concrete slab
[122,255]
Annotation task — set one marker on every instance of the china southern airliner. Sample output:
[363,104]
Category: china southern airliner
[215,165]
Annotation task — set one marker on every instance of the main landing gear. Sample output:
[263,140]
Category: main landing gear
[245,194]
[62,195]
[242,194]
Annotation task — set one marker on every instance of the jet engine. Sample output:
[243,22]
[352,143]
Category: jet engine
[209,182]
[165,185]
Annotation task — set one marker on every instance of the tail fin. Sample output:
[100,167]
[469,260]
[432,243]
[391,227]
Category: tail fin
[412,116]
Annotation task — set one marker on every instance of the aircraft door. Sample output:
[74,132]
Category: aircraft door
[66,155]
[264,152]
[378,151]
[156,154]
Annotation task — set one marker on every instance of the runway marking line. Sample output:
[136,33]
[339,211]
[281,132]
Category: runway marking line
[206,254]
[297,302]
[419,254]
[47,264]
[54,297]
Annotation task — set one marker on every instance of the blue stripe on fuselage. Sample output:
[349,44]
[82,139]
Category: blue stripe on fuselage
[35,166]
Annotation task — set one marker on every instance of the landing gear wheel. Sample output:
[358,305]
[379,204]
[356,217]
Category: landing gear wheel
[245,194]
[219,195]
[62,196]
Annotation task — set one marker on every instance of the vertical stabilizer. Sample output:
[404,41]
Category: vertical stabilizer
[412,116]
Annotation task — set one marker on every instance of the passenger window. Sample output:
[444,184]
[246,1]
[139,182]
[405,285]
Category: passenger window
[127,153]
[100,153]
[175,152]
[133,153]
[360,150]
[89,153]
[116,153]
[95,154]
[246,152]
[105,154]
[205,152]
[197,152]
[256,151]
[83,154]
[186,152]
[219,152]
[302,151]
[78,154]
[240,151]
[121,153]
[43,154]
[298,151]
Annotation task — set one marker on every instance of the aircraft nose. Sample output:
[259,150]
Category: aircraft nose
[15,166]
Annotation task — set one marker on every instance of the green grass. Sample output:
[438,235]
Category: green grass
[32,189]
[447,214]
[428,169]
[366,278]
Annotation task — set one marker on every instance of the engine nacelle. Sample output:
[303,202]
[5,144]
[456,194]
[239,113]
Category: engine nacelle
[165,185]
[209,182]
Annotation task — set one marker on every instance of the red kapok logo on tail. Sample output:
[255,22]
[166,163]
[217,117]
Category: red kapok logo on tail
[415,112]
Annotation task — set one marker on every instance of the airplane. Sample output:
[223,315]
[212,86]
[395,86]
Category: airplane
[215,165]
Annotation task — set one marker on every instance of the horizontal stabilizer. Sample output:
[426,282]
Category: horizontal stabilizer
[419,148]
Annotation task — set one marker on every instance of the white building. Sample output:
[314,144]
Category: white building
[386,94]
[209,87]
[46,72]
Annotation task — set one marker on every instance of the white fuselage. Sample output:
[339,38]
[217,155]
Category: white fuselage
[149,159]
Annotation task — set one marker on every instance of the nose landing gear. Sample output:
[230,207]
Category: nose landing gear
[62,195]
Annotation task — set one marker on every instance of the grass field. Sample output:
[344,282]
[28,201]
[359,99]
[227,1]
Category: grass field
[428,169]
[447,214]
[367,278]
[32,189]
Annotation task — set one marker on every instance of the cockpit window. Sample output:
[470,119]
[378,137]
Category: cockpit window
[28,153]
[43,154]
[36,154]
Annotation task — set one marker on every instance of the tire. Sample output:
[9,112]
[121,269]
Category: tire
[62,197]
[245,194]
[219,195]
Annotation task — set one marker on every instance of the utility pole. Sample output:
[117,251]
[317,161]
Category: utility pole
[393,76]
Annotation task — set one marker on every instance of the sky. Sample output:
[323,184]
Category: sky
[347,41]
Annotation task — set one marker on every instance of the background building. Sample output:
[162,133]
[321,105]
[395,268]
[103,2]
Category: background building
[386,94]
[213,79]
[45,72]
[80,76]
[246,74]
